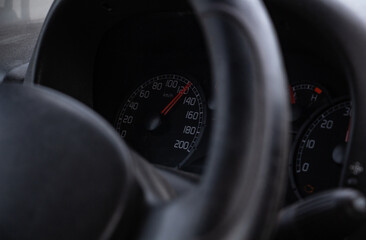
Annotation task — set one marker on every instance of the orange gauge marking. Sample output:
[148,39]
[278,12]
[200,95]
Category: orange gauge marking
[292,95]
[309,188]
[318,90]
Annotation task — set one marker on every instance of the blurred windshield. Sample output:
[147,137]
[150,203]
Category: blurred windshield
[16,11]
[20,24]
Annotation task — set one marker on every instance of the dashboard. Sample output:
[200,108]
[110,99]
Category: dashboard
[152,83]
[147,70]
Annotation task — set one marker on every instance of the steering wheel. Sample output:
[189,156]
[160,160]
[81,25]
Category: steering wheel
[66,174]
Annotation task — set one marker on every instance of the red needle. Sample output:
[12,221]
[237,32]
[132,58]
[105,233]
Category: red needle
[176,99]
[348,131]
[292,95]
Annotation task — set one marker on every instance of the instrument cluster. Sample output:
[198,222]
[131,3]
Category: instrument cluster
[153,84]
[321,126]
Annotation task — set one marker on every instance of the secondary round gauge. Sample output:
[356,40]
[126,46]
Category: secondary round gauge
[319,152]
[305,99]
[164,119]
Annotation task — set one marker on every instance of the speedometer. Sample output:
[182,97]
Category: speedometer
[163,119]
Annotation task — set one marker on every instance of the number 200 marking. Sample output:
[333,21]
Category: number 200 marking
[181,144]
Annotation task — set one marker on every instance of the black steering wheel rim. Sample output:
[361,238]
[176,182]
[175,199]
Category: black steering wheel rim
[258,99]
[248,152]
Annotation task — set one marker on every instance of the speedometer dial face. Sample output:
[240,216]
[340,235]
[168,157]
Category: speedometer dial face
[320,150]
[164,119]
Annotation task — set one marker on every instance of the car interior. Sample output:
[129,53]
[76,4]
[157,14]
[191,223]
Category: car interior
[183,119]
